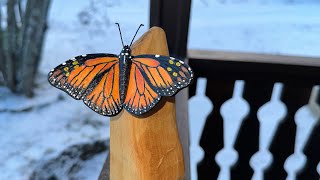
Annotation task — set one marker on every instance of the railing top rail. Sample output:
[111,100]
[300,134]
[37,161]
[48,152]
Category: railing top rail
[253,57]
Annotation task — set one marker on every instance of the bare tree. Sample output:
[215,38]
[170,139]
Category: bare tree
[22,30]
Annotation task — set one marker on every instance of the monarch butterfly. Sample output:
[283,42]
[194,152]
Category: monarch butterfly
[107,83]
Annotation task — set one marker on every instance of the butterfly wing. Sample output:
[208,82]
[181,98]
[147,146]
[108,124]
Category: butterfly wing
[90,77]
[103,95]
[140,97]
[153,76]
[166,75]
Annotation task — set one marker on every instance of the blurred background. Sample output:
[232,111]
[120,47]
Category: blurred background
[44,133]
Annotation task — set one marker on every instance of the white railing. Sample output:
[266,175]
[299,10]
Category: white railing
[270,116]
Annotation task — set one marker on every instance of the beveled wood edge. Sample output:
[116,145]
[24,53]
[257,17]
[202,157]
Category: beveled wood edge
[252,57]
[105,171]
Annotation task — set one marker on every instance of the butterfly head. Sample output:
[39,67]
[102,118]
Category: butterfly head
[126,50]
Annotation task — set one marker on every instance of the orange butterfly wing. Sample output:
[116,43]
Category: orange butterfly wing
[89,77]
[103,95]
[153,76]
[166,75]
[140,97]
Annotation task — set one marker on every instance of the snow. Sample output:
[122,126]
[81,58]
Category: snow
[261,28]
[67,37]
[32,130]
[28,136]
[91,169]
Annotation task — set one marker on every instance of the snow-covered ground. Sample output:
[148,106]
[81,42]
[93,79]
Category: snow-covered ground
[33,130]
[274,28]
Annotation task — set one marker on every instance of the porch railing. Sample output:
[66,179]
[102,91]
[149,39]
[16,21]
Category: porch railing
[279,137]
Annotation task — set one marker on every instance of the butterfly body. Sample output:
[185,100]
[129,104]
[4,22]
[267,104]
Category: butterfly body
[125,60]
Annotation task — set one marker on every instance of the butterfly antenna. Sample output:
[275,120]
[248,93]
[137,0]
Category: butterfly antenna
[136,34]
[120,33]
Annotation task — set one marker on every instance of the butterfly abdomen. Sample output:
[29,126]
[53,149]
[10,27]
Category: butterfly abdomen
[125,66]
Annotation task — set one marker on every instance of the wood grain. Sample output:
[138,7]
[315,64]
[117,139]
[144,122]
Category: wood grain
[147,147]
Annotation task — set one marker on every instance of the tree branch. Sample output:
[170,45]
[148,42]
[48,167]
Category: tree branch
[33,29]
[9,45]
[12,27]
[20,12]
[1,42]
[1,34]
[19,30]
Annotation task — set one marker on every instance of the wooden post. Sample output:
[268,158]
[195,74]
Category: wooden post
[147,147]
[173,16]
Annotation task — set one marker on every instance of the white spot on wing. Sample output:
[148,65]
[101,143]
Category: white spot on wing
[157,55]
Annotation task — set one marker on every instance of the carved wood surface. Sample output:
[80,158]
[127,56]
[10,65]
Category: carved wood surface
[147,147]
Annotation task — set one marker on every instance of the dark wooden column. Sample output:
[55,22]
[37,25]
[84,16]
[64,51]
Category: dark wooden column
[172,16]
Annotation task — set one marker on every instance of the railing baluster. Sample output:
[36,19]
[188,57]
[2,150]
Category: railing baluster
[196,127]
[233,112]
[312,152]
[270,116]
[294,96]
[312,147]
[218,90]
[257,93]
[305,122]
